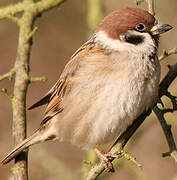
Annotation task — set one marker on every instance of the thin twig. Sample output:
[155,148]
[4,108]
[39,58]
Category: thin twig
[8,75]
[38,7]
[165,53]
[14,18]
[38,79]
[31,10]
[130,158]
[167,131]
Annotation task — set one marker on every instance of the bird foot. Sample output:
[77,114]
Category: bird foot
[106,159]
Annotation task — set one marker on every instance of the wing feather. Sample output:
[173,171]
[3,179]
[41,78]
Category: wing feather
[62,87]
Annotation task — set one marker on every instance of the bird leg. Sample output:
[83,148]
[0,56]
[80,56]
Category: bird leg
[106,159]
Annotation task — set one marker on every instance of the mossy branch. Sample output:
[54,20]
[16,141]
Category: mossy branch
[165,53]
[38,7]
[30,10]
[9,75]
[38,79]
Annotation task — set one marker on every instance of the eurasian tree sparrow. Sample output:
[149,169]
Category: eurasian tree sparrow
[106,85]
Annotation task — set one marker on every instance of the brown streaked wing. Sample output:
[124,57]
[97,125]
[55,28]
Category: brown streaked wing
[54,106]
[46,98]
[62,87]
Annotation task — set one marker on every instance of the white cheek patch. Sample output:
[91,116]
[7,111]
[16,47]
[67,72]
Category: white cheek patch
[147,46]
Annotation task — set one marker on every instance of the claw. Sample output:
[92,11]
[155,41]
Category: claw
[106,159]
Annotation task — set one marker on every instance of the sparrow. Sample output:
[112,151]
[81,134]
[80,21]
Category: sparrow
[107,83]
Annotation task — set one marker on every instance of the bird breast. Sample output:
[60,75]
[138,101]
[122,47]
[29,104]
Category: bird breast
[108,92]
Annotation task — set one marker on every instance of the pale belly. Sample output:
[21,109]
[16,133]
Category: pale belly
[89,121]
[106,98]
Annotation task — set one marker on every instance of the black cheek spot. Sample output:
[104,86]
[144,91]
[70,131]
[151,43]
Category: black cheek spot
[134,39]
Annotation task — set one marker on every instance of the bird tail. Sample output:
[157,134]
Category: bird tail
[33,139]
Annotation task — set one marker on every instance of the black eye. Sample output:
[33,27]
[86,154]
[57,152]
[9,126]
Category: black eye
[140,27]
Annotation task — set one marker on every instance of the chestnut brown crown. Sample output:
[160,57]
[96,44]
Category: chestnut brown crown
[119,22]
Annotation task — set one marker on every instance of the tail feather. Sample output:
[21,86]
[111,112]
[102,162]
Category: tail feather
[33,139]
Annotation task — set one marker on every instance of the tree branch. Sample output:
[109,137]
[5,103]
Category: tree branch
[30,11]
[165,53]
[8,75]
[168,134]
[38,79]
[39,7]
[11,10]
[46,5]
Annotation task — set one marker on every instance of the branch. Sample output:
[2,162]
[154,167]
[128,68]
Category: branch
[46,5]
[38,7]
[123,139]
[11,10]
[37,79]
[173,101]
[168,134]
[9,75]
[30,11]
[165,53]
[167,80]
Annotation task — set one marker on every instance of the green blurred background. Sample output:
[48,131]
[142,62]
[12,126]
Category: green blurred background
[60,32]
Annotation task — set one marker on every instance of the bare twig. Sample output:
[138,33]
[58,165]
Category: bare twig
[174,103]
[8,75]
[167,80]
[11,10]
[165,53]
[168,134]
[38,7]
[30,10]
[130,158]
[38,79]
